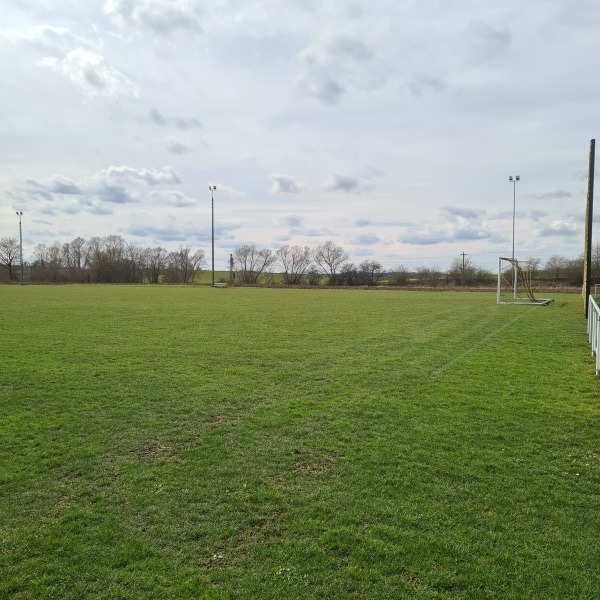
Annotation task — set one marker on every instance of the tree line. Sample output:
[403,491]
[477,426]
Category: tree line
[112,259]
[330,264]
[109,259]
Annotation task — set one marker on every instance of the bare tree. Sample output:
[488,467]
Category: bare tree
[574,271]
[249,262]
[78,252]
[330,257]
[95,259]
[182,265]
[133,263]
[348,275]
[155,260]
[555,267]
[295,262]
[369,272]
[9,255]
[72,258]
[399,276]
[48,263]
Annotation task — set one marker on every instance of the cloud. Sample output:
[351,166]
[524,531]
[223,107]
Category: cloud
[421,238]
[114,194]
[331,67]
[169,233]
[102,210]
[186,124]
[292,220]
[176,147]
[448,232]
[366,239]
[62,185]
[556,195]
[465,213]
[182,123]
[92,74]
[463,234]
[362,222]
[157,118]
[485,43]
[163,17]
[344,183]
[48,38]
[537,215]
[114,185]
[285,184]
[172,198]
[130,175]
[562,228]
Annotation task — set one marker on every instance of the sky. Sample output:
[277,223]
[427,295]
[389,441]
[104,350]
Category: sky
[389,127]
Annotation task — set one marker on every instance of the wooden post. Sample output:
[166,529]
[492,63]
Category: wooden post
[589,217]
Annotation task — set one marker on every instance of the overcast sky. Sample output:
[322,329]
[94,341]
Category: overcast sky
[390,127]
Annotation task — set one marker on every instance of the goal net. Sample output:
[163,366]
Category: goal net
[515,283]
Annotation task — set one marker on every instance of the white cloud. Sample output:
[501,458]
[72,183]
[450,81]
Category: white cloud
[173,198]
[127,175]
[346,183]
[92,74]
[158,16]
[562,228]
[48,38]
[285,184]
[176,147]
[333,66]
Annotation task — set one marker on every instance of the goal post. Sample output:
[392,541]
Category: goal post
[515,284]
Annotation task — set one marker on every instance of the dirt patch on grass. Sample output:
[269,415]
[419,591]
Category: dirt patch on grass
[158,452]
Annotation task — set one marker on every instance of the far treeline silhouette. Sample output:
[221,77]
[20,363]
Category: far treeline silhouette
[112,259]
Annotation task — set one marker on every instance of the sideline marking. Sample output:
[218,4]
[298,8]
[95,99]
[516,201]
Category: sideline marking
[475,346]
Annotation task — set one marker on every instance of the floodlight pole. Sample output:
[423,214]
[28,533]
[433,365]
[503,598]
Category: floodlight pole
[212,189]
[20,214]
[514,180]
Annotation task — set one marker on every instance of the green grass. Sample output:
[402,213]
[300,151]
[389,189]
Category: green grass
[190,442]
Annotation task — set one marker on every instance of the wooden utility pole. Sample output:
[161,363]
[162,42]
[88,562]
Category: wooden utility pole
[589,217]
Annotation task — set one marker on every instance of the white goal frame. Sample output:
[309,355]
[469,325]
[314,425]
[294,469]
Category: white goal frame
[514,284]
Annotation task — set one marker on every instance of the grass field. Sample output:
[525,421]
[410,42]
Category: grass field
[190,442]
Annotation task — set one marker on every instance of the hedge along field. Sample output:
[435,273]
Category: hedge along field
[172,442]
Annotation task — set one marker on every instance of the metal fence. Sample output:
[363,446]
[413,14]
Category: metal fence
[594,330]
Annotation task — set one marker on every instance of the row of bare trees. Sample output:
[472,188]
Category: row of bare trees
[302,265]
[109,259]
[329,263]
[112,259]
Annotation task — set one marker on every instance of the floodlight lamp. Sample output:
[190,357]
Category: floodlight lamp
[510,177]
[518,178]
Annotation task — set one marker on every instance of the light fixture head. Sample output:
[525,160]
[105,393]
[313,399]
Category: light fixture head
[510,177]
[20,212]
[518,178]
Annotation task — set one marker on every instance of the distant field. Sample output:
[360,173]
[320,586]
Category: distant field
[190,442]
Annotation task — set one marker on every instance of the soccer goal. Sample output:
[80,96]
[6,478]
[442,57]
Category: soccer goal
[515,284]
